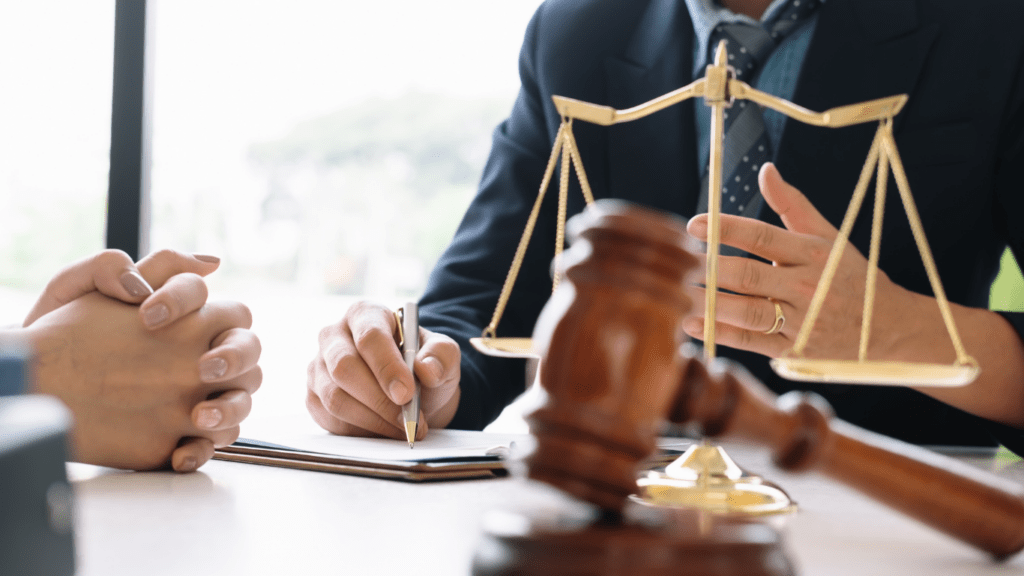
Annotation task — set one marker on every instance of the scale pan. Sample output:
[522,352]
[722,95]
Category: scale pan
[875,372]
[505,347]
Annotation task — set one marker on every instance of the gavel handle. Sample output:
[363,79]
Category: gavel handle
[963,501]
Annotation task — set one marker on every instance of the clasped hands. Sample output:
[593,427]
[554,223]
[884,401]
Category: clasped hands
[152,373]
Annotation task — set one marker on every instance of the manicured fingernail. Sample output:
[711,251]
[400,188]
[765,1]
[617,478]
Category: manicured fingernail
[698,229]
[135,285]
[434,367]
[692,326]
[208,417]
[156,315]
[206,258]
[213,368]
[189,464]
[397,391]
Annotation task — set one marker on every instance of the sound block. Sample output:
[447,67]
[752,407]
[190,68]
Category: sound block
[658,543]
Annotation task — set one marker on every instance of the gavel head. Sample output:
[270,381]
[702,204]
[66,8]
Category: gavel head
[609,340]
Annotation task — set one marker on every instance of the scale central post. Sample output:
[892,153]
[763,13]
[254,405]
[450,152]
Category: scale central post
[716,95]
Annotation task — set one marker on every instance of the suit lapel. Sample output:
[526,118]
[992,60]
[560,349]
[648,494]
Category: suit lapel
[861,50]
[653,160]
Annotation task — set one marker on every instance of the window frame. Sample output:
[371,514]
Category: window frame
[128,192]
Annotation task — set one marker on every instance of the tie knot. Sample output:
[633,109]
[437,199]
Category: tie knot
[749,45]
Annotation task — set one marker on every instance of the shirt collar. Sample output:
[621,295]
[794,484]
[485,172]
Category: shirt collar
[706,14]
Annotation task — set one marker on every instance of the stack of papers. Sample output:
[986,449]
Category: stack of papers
[442,455]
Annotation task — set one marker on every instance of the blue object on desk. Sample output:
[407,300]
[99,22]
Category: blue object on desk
[14,368]
[36,501]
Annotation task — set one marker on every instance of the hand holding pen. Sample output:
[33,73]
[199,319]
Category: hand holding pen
[359,380]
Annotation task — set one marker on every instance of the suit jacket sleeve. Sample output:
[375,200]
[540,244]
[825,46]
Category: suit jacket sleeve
[463,288]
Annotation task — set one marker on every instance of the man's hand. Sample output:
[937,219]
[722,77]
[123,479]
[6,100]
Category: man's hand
[798,254]
[229,359]
[358,381]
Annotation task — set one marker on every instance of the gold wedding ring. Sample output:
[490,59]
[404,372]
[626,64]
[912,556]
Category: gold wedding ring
[780,318]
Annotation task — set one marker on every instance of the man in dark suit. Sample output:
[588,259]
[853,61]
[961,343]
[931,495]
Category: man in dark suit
[961,137]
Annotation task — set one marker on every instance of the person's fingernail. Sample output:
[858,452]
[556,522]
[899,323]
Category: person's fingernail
[434,367]
[213,368]
[698,229]
[189,464]
[209,417]
[207,258]
[156,315]
[691,325]
[397,391]
[135,284]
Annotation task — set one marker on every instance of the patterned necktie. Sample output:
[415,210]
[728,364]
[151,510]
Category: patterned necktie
[746,145]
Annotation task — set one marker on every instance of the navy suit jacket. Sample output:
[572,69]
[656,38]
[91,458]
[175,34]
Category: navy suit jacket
[961,138]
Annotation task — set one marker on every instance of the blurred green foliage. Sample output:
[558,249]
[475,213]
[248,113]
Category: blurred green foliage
[51,230]
[381,185]
[445,138]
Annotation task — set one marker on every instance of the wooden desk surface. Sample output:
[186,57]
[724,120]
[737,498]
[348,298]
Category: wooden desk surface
[240,519]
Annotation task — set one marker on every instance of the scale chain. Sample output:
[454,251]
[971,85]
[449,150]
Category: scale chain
[517,261]
[832,264]
[881,182]
[565,145]
[903,185]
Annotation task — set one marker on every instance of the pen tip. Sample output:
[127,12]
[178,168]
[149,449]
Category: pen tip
[410,433]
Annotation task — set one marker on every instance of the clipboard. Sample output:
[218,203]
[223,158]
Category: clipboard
[433,469]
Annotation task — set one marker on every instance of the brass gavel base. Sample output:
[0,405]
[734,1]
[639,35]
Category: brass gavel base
[705,478]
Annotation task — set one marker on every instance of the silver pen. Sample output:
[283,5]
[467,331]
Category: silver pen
[410,346]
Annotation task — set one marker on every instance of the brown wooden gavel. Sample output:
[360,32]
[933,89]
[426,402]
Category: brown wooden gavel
[613,372]
[960,500]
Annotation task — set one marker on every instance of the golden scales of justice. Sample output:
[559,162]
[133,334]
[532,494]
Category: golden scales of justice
[705,477]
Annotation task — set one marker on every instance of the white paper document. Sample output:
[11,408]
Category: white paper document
[438,444]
